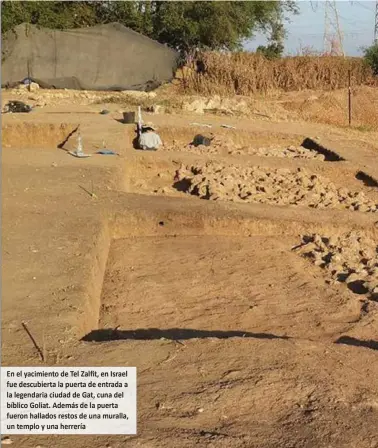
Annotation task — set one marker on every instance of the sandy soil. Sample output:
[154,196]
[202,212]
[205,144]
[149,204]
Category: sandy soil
[239,340]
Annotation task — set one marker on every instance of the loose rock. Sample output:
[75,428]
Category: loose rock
[263,185]
[351,258]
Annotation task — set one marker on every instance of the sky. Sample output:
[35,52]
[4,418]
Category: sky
[307,29]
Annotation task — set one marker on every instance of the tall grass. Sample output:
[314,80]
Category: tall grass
[250,73]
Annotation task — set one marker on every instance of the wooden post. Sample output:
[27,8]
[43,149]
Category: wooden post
[349,99]
[29,75]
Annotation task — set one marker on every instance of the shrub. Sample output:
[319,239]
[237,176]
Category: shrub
[271,51]
[371,57]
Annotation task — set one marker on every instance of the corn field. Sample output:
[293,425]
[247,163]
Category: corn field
[250,73]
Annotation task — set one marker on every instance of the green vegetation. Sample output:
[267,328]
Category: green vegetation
[185,26]
[371,57]
[272,51]
[275,46]
[56,15]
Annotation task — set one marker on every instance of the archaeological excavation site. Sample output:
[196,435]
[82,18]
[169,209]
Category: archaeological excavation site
[239,277]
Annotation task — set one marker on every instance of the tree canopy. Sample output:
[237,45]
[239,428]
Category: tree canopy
[371,57]
[212,25]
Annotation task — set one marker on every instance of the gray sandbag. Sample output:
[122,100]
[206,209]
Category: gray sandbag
[201,140]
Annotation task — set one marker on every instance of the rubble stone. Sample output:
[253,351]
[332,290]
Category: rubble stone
[270,186]
[351,258]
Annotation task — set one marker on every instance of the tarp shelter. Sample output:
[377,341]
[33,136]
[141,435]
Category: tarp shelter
[104,57]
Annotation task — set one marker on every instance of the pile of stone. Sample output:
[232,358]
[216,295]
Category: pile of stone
[269,186]
[350,258]
[291,152]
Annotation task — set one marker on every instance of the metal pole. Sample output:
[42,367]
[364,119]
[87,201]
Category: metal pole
[376,23]
[349,98]
[140,121]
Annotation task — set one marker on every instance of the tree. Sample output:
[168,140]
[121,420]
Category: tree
[215,25]
[136,15]
[275,47]
[56,15]
[371,57]
[211,25]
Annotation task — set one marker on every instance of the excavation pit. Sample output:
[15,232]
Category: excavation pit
[204,287]
[239,142]
[289,152]
[178,138]
[96,132]
[32,135]
[216,147]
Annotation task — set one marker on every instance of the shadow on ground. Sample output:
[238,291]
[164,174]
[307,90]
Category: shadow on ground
[182,185]
[367,180]
[63,143]
[172,334]
[347,340]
